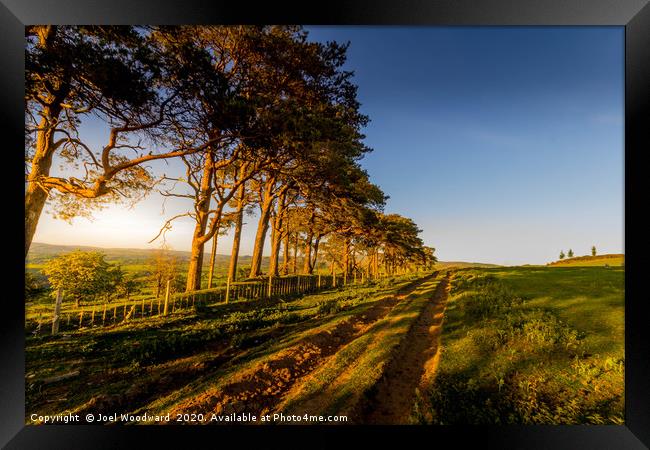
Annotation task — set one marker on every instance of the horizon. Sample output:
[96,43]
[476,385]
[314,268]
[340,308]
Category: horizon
[227,255]
[505,145]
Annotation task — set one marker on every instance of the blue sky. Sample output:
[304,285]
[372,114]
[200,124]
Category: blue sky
[505,145]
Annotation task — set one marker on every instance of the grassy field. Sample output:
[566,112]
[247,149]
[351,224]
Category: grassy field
[503,345]
[613,260]
[531,345]
[158,364]
[443,265]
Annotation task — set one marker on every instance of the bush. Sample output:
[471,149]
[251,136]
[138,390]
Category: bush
[491,297]
[328,307]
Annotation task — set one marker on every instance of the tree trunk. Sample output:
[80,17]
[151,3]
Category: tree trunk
[277,236]
[213,257]
[295,254]
[313,262]
[202,211]
[262,228]
[36,195]
[346,256]
[306,263]
[285,259]
[239,222]
[195,266]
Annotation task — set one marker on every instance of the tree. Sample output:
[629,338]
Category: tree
[570,254]
[163,267]
[80,274]
[127,285]
[291,94]
[561,254]
[122,75]
[593,250]
[33,286]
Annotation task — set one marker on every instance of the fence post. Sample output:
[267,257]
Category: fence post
[104,315]
[319,281]
[57,311]
[92,318]
[167,292]
[81,317]
[131,313]
[270,286]
[227,289]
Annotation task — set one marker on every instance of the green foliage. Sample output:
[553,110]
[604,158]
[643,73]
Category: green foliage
[513,398]
[33,287]
[127,285]
[570,253]
[523,362]
[82,274]
[490,298]
[593,250]
[328,307]
[562,254]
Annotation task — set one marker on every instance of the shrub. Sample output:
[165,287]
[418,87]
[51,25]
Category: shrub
[328,307]
[490,298]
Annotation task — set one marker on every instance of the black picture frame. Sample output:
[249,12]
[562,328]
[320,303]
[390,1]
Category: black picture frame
[634,15]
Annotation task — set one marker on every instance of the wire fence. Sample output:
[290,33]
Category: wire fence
[109,314]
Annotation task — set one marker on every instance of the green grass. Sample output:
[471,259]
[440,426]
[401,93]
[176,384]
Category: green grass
[531,345]
[591,261]
[162,358]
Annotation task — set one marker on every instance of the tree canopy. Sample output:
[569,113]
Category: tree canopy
[258,115]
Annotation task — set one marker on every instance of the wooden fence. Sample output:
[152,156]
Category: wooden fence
[107,314]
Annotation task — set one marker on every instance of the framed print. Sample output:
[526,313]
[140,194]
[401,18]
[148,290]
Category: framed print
[283,226]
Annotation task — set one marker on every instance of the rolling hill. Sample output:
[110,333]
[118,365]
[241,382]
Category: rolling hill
[614,259]
[39,253]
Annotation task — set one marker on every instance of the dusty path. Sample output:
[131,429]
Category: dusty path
[260,390]
[412,366]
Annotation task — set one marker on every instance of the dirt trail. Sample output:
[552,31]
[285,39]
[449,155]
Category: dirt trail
[413,364]
[261,389]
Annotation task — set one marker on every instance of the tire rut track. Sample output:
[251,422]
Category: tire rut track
[263,388]
[412,366]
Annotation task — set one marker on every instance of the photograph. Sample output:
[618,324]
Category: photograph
[324,225]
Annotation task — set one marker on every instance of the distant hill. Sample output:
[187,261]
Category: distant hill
[463,264]
[40,253]
[614,259]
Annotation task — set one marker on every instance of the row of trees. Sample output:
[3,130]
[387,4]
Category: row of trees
[260,118]
[570,253]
